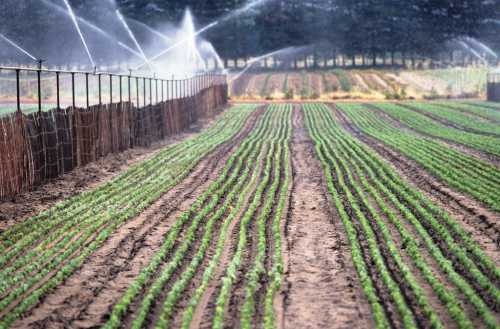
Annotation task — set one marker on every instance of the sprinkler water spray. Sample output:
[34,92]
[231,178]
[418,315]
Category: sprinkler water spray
[15,45]
[134,39]
[151,30]
[257,59]
[75,22]
[178,44]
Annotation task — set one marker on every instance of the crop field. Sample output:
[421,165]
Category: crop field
[346,215]
[361,84]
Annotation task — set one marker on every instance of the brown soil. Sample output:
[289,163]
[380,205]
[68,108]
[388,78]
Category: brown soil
[316,83]
[360,83]
[81,179]
[254,87]
[295,83]
[334,80]
[85,299]
[240,85]
[275,84]
[321,286]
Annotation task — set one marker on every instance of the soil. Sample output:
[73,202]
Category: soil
[295,83]
[316,84]
[360,83]
[275,85]
[240,85]
[321,286]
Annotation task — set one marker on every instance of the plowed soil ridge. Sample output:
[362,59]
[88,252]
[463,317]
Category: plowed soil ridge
[321,287]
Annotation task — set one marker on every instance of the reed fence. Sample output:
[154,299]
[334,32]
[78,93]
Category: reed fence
[42,144]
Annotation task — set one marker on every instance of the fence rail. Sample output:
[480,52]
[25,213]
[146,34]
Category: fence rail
[73,124]
[36,89]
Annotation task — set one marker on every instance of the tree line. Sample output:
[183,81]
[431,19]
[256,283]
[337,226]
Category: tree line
[416,28]
[339,29]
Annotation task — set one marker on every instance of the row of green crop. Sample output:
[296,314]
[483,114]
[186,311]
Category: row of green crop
[218,207]
[358,179]
[460,119]
[483,104]
[265,203]
[482,109]
[430,127]
[344,80]
[40,253]
[275,198]
[202,208]
[465,173]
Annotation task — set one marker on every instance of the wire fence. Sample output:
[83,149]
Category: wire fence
[68,121]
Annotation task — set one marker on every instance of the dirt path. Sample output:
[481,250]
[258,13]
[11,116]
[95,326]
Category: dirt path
[85,299]
[321,285]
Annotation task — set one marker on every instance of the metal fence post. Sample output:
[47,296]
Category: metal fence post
[144,90]
[162,90]
[168,90]
[39,84]
[110,89]
[129,90]
[58,92]
[73,89]
[100,89]
[137,90]
[156,90]
[18,90]
[150,92]
[87,89]
[121,88]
